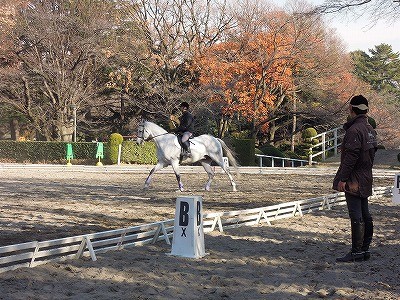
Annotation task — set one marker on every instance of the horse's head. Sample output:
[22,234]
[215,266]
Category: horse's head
[142,133]
[149,130]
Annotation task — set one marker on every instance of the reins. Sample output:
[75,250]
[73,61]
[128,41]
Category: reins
[149,139]
[157,136]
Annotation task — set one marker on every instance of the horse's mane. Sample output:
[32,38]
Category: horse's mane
[156,127]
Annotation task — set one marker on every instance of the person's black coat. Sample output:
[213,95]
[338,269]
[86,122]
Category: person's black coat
[186,123]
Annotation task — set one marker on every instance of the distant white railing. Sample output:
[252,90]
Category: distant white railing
[330,140]
[282,161]
[35,253]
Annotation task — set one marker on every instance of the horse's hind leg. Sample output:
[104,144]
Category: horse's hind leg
[220,162]
[207,166]
[233,183]
[157,167]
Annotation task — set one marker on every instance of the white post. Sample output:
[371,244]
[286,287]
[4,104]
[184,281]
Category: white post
[119,153]
[396,190]
[188,238]
[75,127]
[323,146]
[335,141]
[226,163]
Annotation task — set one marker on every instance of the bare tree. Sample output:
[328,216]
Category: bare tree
[377,9]
[61,51]
[173,31]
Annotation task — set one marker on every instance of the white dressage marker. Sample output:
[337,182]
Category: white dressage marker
[188,239]
[396,190]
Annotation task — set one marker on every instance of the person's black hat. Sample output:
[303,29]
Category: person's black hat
[185,105]
[359,102]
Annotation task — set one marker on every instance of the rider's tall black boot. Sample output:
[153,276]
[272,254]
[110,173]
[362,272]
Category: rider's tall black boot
[357,239]
[368,233]
[186,147]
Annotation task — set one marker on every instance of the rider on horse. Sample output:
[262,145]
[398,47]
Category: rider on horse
[185,128]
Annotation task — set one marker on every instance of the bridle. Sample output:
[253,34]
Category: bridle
[142,129]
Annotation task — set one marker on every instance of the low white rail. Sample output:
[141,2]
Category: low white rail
[35,253]
[284,161]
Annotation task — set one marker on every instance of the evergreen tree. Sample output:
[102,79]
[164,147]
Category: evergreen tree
[381,69]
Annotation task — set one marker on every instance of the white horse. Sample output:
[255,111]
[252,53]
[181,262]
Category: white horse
[204,148]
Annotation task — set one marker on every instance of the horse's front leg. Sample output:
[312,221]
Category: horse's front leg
[157,167]
[175,167]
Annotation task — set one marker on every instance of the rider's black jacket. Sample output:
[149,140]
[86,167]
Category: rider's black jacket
[186,123]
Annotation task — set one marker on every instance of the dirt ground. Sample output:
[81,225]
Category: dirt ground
[43,204]
[292,259]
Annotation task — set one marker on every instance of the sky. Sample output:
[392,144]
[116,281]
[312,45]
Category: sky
[359,34]
[362,35]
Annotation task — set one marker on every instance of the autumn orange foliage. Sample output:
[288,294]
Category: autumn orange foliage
[249,74]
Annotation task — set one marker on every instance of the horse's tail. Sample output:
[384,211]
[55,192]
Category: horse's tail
[229,153]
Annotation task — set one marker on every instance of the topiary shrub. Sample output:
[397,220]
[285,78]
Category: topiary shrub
[272,151]
[114,141]
[315,142]
[308,133]
[303,149]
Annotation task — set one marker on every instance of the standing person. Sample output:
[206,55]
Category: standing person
[185,128]
[354,177]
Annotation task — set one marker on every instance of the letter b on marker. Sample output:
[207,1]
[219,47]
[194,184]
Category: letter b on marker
[184,214]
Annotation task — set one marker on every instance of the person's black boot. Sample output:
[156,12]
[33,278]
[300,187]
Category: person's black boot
[351,257]
[368,233]
[187,149]
[357,238]
[367,255]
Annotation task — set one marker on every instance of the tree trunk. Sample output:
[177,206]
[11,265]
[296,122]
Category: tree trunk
[14,129]
[272,130]
[294,123]
[223,125]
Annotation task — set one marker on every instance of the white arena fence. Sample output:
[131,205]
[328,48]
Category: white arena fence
[275,161]
[36,253]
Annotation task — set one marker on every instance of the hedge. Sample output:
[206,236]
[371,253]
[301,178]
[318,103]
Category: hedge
[84,153]
[133,153]
[245,151]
